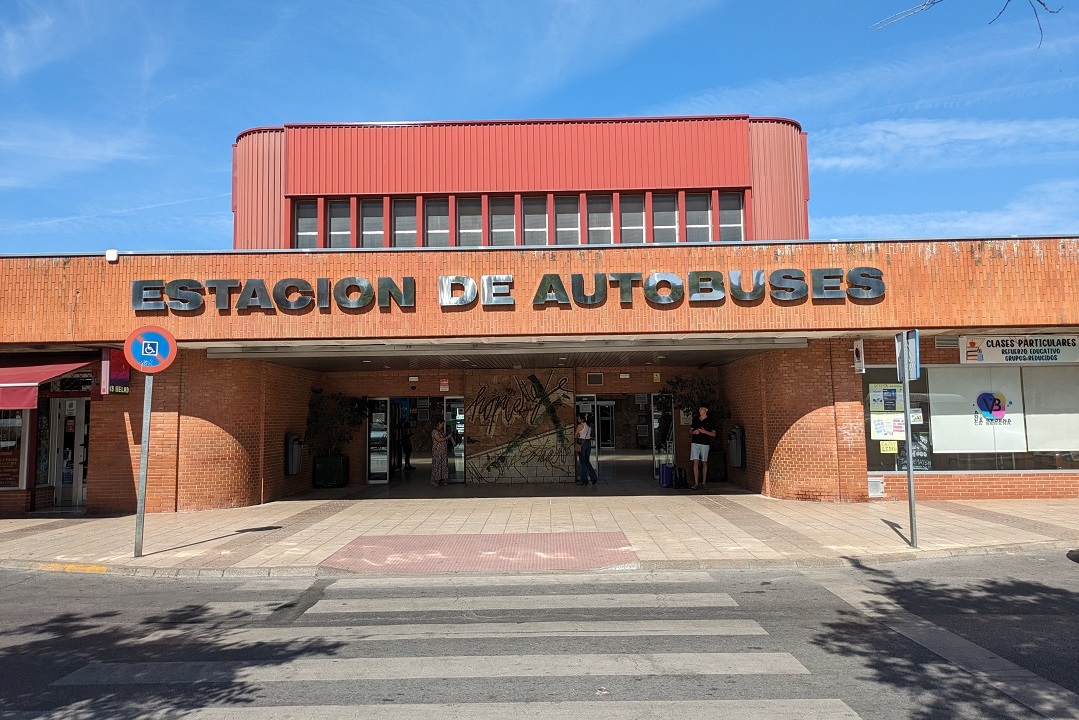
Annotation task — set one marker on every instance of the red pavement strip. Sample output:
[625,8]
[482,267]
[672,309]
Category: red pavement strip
[521,552]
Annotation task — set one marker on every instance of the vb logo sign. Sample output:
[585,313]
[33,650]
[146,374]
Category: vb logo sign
[992,406]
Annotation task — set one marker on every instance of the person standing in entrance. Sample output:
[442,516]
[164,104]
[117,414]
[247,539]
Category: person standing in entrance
[701,434]
[404,445]
[583,437]
[440,463]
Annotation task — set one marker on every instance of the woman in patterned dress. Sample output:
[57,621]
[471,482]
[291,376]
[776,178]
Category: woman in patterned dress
[440,464]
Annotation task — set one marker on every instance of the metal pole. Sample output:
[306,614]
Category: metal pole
[910,447]
[144,457]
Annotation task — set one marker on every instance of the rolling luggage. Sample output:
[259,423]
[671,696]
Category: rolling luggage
[666,475]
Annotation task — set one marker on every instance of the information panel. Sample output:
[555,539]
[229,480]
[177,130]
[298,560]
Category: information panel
[1009,349]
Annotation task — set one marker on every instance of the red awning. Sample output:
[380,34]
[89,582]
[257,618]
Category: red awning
[18,383]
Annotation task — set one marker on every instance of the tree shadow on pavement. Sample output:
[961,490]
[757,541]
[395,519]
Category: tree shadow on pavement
[1028,623]
[34,657]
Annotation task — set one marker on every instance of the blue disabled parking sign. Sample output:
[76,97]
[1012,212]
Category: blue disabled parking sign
[150,349]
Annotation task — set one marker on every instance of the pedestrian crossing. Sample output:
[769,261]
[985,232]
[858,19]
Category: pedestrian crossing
[618,645]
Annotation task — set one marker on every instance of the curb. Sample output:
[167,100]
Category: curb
[644,565]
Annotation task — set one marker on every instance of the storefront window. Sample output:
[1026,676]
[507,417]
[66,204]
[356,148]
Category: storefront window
[10,447]
[974,419]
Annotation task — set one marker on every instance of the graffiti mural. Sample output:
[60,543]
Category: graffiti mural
[520,427]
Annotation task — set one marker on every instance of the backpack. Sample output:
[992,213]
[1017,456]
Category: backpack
[680,480]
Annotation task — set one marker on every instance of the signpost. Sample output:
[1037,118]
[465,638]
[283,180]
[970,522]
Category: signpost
[148,349]
[908,363]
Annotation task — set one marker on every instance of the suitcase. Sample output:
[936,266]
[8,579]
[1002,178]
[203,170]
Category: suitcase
[681,482]
[666,475]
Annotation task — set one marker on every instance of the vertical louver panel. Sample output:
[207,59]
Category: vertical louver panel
[259,190]
[534,156]
[780,185]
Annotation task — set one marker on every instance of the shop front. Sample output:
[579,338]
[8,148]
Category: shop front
[509,368]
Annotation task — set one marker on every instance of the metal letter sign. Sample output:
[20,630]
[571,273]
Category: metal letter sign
[149,349]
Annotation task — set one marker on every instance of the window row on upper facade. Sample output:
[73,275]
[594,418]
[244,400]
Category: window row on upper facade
[495,220]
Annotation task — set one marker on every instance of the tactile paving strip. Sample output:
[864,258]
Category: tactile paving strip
[520,552]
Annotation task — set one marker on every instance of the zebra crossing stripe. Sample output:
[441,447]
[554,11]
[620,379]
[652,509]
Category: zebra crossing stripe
[508,630]
[444,667]
[468,581]
[521,602]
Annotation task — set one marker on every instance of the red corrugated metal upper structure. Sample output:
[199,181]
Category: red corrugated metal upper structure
[636,172]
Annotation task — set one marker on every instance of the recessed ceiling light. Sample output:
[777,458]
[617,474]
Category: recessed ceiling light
[660,357]
[562,358]
[367,361]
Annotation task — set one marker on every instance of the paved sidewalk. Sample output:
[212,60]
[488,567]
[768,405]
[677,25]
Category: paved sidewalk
[344,532]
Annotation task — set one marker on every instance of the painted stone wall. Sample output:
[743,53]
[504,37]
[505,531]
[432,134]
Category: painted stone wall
[520,426]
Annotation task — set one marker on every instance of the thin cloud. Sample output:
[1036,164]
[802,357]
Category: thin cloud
[930,77]
[33,152]
[499,53]
[1043,209]
[44,35]
[924,144]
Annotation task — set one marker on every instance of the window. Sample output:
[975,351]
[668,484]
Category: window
[731,224]
[502,222]
[305,225]
[599,220]
[956,425]
[535,220]
[339,220]
[664,218]
[632,212]
[469,222]
[436,223]
[404,223]
[371,226]
[698,217]
[567,221]
[11,448]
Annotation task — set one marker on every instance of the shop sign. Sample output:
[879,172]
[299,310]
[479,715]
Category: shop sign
[461,292]
[119,373]
[1008,349]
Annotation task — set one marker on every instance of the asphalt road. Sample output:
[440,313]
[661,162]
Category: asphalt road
[979,637]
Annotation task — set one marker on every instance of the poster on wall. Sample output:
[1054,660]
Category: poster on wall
[977,410]
[885,397]
[892,425]
[1010,349]
[887,426]
[10,447]
[919,449]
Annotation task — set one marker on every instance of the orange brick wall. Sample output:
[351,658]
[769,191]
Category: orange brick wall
[218,425]
[962,284]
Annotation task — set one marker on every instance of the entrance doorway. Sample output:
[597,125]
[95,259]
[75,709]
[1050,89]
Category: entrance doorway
[68,444]
[632,435]
[399,438]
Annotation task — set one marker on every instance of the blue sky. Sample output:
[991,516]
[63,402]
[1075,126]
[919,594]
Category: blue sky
[118,116]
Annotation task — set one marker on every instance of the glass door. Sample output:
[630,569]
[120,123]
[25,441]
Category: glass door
[662,431]
[378,441]
[68,450]
[605,425]
[455,426]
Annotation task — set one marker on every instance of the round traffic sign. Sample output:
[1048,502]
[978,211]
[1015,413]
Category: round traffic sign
[150,349]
